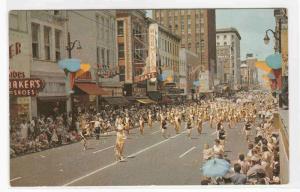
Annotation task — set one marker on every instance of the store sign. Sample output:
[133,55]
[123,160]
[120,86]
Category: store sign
[14,49]
[153,30]
[145,77]
[20,86]
[128,50]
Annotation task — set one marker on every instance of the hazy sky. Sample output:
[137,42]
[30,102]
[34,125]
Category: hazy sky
[251,24]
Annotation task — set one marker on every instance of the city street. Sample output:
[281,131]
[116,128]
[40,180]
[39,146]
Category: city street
[150,160]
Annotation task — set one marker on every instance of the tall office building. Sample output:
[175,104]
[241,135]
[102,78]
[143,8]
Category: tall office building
[197,30]
[228,54]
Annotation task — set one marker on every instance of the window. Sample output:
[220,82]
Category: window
[56,12]
[232,36]
[182,12]
[201,20]
[121,50]
[182,27]
[225,43]
[107,58]
[103,56]
[218,43]
[225,36]
[189,17]
[122,73]
[176,19]
[217,36]
[57,45]
[189,29]
[120,25]
[157,13]
[102,28]
[189,46]
[47,42]
[98,55]
[35,31]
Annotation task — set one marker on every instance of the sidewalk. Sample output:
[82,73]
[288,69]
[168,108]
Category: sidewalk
[284,115]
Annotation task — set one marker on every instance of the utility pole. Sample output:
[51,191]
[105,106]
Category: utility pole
[70,47]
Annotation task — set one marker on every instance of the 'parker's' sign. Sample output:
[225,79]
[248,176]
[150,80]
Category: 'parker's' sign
[25,87]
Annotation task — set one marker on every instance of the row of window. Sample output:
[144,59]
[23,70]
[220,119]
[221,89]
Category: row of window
[224,36]
[48,40]
[106,29]
[162,13]
[168,46]
[104,57]
[169,63]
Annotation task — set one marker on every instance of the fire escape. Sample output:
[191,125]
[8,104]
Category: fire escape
[140,47]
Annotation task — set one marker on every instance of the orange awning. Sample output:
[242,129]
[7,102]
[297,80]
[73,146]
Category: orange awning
[90,88]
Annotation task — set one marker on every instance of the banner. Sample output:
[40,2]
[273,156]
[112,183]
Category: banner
[128,50]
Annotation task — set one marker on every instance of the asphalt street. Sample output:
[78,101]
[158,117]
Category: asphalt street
[150,160]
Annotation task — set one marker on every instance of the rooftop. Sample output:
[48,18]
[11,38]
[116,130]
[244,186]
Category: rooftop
[229,30]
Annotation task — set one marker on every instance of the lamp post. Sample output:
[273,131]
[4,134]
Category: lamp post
[276,36]
[70,46]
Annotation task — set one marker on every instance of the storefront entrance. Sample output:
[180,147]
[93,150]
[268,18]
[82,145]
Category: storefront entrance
[51,106]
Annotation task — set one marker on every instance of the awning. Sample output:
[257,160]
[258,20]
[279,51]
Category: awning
[90,88]
[116,100]
[146,101]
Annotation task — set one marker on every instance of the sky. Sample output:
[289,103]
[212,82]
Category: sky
[251,24]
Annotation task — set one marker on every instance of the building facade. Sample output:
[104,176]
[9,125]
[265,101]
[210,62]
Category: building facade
[132,38]
[253,72]
[191,62]
[47,39]
[98,47]
[228,43]
[197,31]
[244,70]
[164,59]
[224,64]
[19,61]
[281,46]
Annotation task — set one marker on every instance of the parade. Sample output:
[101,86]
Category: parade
[254,113]
[120,97]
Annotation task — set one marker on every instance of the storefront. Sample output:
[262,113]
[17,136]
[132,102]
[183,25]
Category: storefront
[52,100]
[21,90]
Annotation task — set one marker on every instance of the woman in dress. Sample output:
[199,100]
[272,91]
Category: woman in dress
[149,119]
[120,142]
[199,127]
[142,123]
[189,127]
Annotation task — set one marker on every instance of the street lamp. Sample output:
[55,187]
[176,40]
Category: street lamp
[267,38]
[69,48]
[71,45]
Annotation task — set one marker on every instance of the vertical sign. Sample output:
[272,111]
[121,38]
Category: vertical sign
[128,50]
[153,30]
